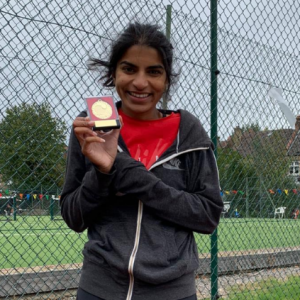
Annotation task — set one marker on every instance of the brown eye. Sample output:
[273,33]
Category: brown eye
[155,72]
[128,69]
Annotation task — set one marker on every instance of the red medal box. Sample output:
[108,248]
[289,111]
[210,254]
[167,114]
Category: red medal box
[103,111]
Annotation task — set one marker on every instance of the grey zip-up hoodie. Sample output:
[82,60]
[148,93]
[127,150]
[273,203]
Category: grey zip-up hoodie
[140,222]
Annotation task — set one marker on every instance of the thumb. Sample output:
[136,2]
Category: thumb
[121,121]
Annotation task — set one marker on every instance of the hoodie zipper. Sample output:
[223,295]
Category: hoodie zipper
[139,224]
[134,250]
[135,246]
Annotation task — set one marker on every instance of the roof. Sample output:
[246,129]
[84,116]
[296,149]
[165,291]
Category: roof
[246,142]
[293,147]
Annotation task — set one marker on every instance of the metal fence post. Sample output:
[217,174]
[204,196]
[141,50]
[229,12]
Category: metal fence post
[214,127]
[168,35]
[14,208]
[51,208]
[247,198]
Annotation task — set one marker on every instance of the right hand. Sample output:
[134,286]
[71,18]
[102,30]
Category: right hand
[101,150]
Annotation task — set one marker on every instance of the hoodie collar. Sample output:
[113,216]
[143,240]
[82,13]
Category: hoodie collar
[191,134]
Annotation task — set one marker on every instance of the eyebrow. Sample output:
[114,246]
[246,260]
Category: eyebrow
[132,65]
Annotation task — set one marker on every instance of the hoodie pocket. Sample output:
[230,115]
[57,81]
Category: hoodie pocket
[157,259]
[110,246]
[171,248]
[157,246]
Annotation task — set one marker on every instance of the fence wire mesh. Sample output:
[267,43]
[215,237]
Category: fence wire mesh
[43,54]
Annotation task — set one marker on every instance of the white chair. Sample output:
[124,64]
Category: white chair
[280,211]
[226,208]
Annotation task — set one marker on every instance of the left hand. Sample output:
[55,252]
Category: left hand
[100,149]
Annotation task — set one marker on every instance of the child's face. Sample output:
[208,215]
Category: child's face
[140,81]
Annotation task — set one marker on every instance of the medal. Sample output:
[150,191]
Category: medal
[103,111]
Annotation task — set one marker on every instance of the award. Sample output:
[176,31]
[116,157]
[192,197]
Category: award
[103,111]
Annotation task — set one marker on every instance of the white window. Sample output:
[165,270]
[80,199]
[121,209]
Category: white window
[294,168]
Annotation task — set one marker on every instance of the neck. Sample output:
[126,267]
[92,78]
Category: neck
[143,116]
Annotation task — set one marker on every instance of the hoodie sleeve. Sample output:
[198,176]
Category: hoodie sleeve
[85,190]
[198,210]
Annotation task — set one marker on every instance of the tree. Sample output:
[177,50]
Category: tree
[271,163]
[254,126]
[236,174]
[233,169]
[32,148]
[270,159]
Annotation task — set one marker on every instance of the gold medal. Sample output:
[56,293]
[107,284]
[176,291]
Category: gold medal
[102,110]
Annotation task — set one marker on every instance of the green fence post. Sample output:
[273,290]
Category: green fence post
[168,21]
[52,208]
[168,35]
[15,208]
[247,198]
[214,126]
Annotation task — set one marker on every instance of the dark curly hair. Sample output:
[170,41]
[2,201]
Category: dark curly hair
[136,34]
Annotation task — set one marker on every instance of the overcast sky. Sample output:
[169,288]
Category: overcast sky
[45,45]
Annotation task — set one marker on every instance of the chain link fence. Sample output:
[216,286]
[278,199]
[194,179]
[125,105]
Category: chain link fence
[231,54]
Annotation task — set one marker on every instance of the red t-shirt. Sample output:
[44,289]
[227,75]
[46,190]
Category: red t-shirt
[147,140]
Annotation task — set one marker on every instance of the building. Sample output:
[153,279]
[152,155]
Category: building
[286,143]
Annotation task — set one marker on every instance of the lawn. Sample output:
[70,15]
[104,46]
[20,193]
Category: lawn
[247,234]
[38,241]
[271,289]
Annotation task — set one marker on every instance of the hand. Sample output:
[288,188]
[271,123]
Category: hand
[100,149]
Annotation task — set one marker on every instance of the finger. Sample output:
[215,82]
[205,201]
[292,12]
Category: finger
[114,133]
[82,119]
[83,122]
[94,139]
[103,132]
[112,136]
[121,121]
[84,131]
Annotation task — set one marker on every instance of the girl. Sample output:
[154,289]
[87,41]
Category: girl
[141,191]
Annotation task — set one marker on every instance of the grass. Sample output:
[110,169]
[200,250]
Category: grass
[38,241]
[271,289]
[249,234]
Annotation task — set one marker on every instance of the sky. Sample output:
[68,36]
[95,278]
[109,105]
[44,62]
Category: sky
[45,46]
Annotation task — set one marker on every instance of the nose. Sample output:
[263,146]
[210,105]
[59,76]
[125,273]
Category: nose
[140,81]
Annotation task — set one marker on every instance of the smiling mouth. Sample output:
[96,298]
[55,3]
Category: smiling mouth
[139,95]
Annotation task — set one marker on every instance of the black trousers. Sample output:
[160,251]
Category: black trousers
[83,295]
